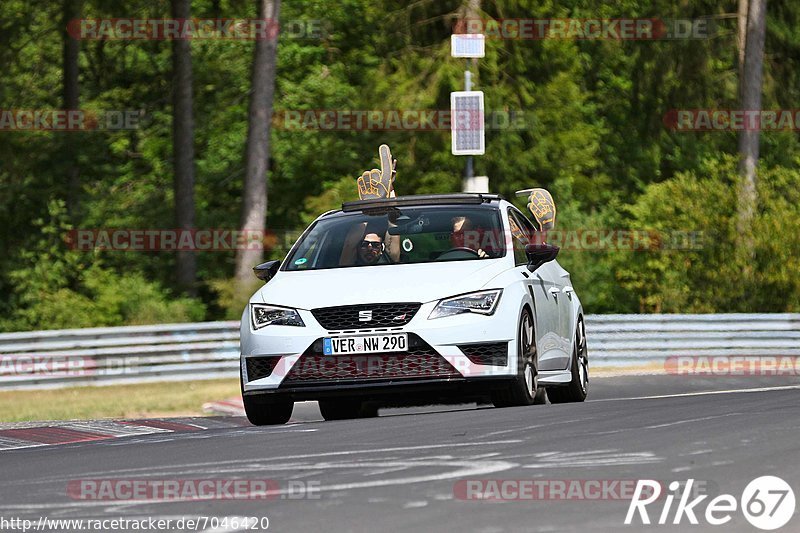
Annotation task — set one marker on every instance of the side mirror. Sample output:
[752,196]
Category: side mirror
[266,271]
[539,254]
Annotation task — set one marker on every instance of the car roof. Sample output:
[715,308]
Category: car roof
[424,200]
[484,200]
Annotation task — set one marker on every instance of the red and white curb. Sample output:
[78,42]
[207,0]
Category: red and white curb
[230,407]
[37,434]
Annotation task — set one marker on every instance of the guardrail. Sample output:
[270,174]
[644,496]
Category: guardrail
[624,340]
[130,354]
[134,354]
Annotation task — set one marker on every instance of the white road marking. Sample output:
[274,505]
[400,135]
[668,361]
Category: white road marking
[690,420]
[536,426]
[668,424]
[591,458]
[16,444]
[704,393]
[468,470]
[415,505]
[209,467]
[700,452]
[463,469]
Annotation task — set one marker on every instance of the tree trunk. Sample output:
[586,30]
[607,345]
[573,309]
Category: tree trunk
[741,40]
[254,194]
[71,9]
[751,82]
[183,148]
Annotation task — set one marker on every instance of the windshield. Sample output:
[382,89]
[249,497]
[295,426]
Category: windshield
[406,235]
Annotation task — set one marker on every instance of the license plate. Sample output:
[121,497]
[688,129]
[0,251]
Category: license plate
[397,342]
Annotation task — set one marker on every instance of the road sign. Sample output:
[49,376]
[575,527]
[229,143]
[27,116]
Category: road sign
[468,45]
[467,123]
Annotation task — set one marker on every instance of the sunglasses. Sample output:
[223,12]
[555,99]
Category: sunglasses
[372,244]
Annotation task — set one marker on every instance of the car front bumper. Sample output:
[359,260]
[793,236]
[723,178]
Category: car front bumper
[441,358]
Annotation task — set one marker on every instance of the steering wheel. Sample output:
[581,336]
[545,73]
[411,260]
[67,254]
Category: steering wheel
[456,250]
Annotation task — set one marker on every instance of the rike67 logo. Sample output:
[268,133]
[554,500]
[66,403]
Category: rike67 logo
[767,503]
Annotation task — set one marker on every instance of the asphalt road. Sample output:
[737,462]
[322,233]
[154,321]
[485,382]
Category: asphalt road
[413,470]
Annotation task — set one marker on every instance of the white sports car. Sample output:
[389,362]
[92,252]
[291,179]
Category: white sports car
[413,300]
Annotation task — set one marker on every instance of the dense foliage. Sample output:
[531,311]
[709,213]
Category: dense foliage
[593,134]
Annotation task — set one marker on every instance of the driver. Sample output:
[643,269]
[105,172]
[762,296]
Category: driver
[370,250]
[465,236]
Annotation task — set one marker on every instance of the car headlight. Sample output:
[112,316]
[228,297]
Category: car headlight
[269,315]
[483,303]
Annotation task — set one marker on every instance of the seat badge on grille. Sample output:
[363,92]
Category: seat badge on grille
[365,316]
[400,317]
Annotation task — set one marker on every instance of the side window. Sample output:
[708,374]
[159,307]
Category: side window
[520,237]
[307,256]
[529,229]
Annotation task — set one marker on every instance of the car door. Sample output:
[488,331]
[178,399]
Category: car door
[566,323]
[546,285]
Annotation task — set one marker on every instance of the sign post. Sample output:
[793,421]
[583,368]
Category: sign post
[466,107]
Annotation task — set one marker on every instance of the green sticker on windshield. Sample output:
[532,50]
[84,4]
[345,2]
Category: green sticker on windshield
[301,261]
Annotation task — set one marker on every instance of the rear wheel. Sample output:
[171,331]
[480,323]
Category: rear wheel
[524,390]
[347,408]
[266,410]
[577,389]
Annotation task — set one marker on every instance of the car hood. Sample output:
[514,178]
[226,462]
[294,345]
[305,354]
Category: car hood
[422,282]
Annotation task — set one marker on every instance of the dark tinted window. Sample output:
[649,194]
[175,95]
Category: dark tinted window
[400,235]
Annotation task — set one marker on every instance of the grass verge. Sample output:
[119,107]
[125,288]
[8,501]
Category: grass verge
[145,400]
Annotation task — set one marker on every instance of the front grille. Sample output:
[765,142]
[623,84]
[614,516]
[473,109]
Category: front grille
[420,362]
[350,316]
[493,353]
[260,367]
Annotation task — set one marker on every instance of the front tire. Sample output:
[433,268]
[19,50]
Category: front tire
[346,409]
[524,390]
[267,411]
[577,389]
